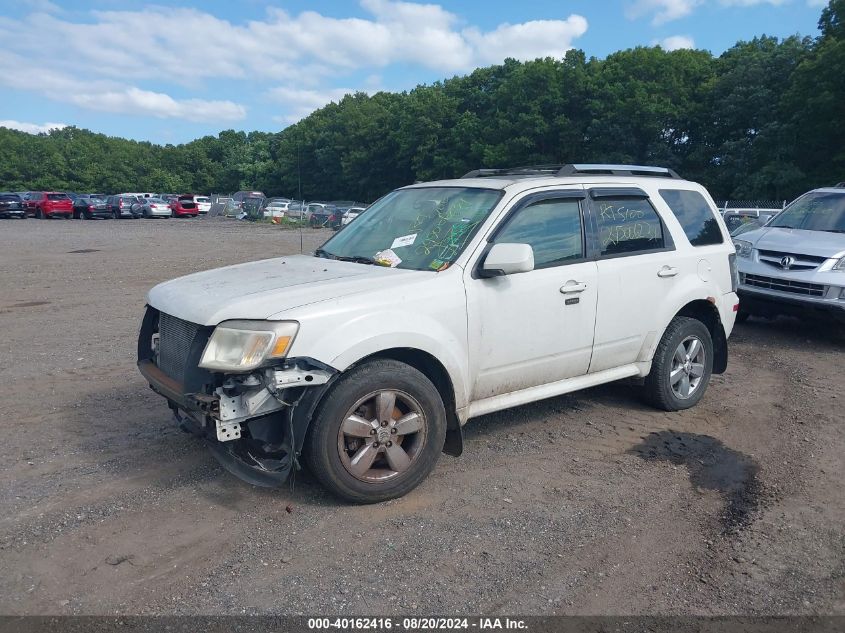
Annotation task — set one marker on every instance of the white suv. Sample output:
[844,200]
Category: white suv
[446,301]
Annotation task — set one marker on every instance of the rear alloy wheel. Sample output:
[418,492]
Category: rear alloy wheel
[682,365]
[378,433]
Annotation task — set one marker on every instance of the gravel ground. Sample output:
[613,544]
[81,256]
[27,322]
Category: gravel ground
[590,503]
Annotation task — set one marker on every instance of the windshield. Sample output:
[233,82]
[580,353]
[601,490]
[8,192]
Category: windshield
[423,228]
[814,212]
[57,196]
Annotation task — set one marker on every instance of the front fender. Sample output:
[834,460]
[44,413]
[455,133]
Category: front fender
[443,337]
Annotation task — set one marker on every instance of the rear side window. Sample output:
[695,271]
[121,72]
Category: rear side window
[627,226]
[695,215]
[551,227]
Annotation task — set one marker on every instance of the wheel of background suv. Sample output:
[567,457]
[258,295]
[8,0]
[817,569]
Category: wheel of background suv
[742,316]
[40,214]
[681,367]
[378,432]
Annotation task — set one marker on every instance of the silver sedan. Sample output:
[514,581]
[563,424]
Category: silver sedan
[153,208]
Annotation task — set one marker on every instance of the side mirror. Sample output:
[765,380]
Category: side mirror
[508,259]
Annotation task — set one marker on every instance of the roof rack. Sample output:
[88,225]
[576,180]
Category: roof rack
[574,169]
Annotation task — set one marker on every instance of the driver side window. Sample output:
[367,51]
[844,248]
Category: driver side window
[551,227]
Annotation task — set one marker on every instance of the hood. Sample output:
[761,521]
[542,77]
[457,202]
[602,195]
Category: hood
[797,241]
[258,290]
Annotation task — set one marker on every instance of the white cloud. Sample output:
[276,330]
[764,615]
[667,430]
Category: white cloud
[133,100]
[299,102]
[31,128]
[676,42]
[117,55]
[526,41]
[663,10]
[111,96]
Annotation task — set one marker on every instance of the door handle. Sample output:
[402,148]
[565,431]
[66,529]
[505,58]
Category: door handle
[571,287]
[667,271]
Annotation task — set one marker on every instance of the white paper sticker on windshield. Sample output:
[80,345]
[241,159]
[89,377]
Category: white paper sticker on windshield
[407,240]
[388,258]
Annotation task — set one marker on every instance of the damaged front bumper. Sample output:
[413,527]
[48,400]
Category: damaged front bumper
[253,423]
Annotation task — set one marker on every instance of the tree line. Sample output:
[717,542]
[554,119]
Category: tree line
[766,119]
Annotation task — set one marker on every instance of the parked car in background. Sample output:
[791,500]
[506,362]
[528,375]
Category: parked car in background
[796,263]
[11,206]
[203,202]
[295,210]
[48,204]
[87,206]
[352,213]
[154,208]
[121,206]
[446,301]
[184,207]
[276,207]
[735,218]
[239,198]
[318,213]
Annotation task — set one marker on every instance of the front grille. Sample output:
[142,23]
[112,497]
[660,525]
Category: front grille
[785,285]
[797,262]
[174,346]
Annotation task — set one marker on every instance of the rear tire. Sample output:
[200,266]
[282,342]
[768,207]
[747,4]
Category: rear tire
[40,214]
[682,365]
[388,458]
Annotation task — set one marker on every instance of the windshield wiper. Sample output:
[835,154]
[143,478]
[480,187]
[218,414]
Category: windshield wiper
[358,259]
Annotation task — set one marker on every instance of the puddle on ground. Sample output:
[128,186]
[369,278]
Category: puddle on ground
[712,466]
[85,250]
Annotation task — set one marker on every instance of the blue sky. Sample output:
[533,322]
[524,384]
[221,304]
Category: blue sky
[171,71]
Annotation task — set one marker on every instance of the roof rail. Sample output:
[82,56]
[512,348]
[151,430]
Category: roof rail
[577,168]
[528,170]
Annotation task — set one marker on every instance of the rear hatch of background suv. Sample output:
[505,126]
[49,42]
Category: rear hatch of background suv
[58,202]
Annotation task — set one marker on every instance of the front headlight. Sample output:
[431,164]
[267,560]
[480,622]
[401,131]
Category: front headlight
[244,345]
[743,248]
[840,265]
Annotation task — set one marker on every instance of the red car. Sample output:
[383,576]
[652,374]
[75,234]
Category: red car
[47,204]
[184,207]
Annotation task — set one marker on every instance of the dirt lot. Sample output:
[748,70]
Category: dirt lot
[589,504]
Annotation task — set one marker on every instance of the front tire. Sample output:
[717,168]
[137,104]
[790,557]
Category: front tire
[682,365]
[378,432]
